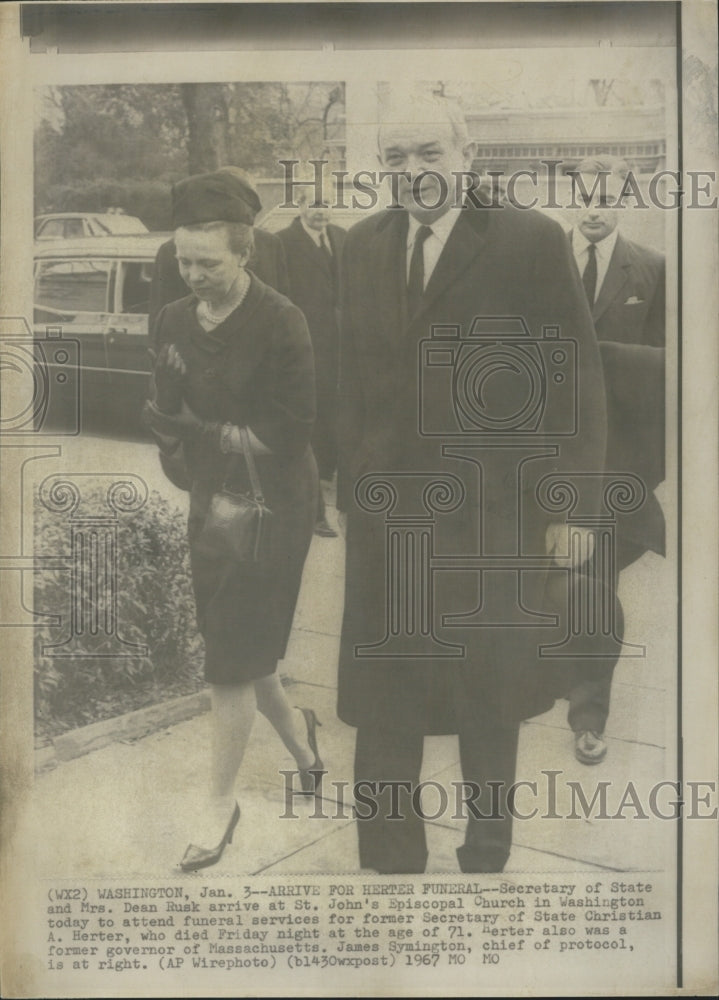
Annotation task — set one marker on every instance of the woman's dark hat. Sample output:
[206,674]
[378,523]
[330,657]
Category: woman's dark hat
[222,196]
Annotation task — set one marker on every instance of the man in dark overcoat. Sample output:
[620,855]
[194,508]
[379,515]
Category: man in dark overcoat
[427,470]
[267,261]
[312,246]
[625,286]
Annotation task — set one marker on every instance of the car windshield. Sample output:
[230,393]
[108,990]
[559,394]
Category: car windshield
[119,224]
[53,229]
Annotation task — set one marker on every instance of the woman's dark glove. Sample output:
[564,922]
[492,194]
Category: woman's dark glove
[169,377]
[184,425]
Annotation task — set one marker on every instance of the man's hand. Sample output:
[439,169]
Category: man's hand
[342,523]
[185,424]
[557,542]
[169,375]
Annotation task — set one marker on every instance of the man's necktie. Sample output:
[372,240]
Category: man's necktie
[415,282]
[325,247]
[330,258]
[589,278]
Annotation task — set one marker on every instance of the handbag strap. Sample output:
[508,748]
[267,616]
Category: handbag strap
[251,467]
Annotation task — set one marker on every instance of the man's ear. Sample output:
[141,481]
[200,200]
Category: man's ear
[469,151]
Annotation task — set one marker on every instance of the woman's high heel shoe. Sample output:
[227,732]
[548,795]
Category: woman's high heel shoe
[202,857]
[311,777]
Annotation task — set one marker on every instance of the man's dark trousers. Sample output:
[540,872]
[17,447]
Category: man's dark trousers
[488,754]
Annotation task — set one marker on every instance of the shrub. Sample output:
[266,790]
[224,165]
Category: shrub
[155,609]
[148,200]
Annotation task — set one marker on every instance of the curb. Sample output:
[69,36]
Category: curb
[132,726]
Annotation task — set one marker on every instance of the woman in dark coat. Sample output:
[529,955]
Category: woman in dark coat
[236,354]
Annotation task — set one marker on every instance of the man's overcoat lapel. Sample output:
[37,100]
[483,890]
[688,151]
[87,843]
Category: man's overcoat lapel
[387,260]
[464,244]
[617,276]
[310,252]
[389,257]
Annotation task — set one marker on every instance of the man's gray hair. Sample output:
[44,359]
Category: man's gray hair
[307,195]
[603,163]
[425,108]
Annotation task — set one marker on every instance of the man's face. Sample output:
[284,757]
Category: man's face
[601,216]
[416,147]
[315,217]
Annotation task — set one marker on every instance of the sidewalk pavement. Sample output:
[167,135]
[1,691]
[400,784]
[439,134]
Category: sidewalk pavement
[126,809]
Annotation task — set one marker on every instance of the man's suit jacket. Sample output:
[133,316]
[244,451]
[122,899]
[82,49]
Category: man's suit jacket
[629,318]
[502,264]
[313,286]
[267,262]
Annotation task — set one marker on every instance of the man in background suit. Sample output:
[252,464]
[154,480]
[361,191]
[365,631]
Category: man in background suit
[312,247]
[432,264]
[267,262]
[625,286]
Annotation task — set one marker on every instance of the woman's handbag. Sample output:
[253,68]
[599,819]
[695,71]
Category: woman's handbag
[237,525]
[173,465]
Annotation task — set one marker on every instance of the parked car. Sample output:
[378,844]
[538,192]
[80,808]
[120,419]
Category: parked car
[74,225]
[96,291]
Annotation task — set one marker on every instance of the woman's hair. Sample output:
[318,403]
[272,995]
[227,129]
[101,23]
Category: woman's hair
[240,238]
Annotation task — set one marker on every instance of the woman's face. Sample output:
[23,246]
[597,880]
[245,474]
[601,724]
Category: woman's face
[206,262]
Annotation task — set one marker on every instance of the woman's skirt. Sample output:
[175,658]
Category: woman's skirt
[245,610]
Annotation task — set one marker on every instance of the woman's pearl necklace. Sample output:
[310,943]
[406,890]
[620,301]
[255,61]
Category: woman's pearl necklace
[216,318]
